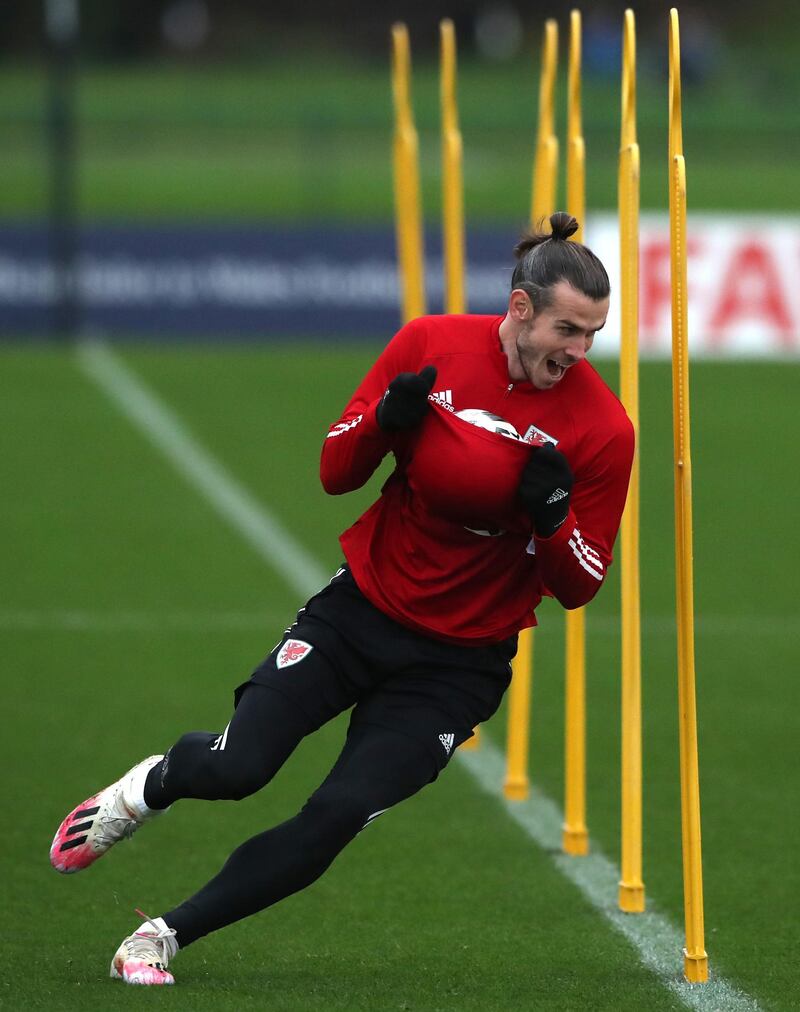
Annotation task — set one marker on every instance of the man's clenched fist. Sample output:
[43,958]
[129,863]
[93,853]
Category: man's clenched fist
[405,402]
[545,488]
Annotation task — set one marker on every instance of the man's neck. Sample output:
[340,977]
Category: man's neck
[508,332]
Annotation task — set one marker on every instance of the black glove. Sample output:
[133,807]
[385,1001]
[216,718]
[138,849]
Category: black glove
[406,400]
[545,489]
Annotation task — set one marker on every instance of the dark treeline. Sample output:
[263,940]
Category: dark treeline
[237,29]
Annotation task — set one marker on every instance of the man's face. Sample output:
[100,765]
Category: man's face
[559,335]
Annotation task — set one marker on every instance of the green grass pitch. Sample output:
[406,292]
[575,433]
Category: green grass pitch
[129,611]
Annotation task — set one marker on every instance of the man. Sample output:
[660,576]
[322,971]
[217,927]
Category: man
[417,630]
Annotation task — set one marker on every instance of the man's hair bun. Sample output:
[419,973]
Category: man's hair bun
[545,258]
[563,225]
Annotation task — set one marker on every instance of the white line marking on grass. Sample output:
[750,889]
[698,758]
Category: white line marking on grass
[74,620]
[657,941]
[119,620]
[704,625]
[231,499]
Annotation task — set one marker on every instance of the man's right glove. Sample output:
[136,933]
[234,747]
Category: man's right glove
[545,488]
[405,402]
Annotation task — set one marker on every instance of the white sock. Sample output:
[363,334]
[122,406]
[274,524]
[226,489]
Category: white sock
[134,791]
[146,928]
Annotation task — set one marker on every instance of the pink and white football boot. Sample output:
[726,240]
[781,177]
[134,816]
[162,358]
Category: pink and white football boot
[112,814]
[144,956]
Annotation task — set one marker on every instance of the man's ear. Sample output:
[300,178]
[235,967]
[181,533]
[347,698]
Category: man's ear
[520,306]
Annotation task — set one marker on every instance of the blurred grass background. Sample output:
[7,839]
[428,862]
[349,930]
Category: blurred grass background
[304,138]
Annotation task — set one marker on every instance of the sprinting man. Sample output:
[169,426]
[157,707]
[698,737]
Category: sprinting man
[416,631]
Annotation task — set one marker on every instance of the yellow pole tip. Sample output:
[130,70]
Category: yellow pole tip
[631,898]
[695,968]
[516,791]
[575,842]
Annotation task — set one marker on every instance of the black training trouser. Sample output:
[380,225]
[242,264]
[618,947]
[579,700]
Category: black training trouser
[376,769]
[415,699]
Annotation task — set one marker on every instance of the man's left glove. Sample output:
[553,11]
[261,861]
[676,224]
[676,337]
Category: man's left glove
[405,402]
[545,489]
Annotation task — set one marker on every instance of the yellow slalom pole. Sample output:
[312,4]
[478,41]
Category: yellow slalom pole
[695,958]
[516,786]
[575,836]
[408,216]
[631,886]
[452,181]
[453,240]
[576,147]
[545,164]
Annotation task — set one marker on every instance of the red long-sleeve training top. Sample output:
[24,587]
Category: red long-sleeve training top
[446,549]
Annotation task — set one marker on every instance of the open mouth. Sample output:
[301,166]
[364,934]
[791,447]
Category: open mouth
[555,369]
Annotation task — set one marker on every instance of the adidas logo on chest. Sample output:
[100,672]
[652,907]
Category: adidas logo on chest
[444,398]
